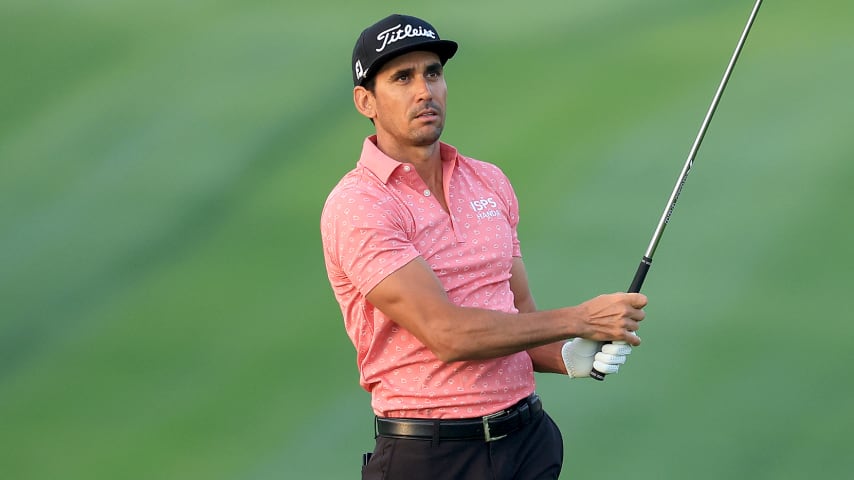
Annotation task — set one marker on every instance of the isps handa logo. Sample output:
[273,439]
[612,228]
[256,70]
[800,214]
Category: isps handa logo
[485,208]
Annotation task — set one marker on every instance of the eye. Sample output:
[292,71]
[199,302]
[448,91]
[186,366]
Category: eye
[402,77]
[434,72]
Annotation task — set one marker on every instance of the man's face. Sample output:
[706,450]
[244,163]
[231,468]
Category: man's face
[410,94]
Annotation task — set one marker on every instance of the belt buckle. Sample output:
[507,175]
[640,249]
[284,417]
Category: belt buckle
[486,435]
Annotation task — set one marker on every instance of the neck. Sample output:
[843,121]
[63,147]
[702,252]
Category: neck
[427,161]
[414,154]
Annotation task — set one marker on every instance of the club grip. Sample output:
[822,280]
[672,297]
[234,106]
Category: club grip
[640,275]
[637,283]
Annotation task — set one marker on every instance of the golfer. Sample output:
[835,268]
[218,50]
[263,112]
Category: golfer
[423,256]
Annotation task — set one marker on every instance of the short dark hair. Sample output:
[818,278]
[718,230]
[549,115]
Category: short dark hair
[370,83]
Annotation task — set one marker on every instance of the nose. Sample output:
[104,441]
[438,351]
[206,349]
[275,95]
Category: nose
[424,88]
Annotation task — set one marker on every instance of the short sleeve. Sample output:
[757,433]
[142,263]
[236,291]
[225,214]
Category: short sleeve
[366,236]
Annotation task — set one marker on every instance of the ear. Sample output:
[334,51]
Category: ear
[365,102]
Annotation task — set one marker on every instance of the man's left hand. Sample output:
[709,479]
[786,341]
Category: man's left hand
[582,355]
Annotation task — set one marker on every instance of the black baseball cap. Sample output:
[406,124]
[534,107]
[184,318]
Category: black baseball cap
[394,36]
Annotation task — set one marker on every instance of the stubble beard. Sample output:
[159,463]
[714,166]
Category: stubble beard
[427,136]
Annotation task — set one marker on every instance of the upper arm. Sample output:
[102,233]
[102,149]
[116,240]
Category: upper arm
[522,297]
[414,298]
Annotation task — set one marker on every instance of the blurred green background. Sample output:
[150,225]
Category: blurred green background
[164,309]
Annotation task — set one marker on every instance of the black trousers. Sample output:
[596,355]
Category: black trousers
[534,452]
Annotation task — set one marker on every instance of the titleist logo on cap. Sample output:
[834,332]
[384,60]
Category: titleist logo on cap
[394,34]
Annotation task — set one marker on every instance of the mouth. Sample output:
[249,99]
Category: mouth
[427,114]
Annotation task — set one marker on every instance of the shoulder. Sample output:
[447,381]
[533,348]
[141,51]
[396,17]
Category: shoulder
[489,174]
[361,200]
[481,168]
[357,186]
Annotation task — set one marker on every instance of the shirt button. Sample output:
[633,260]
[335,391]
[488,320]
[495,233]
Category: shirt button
[406,168]
[426,193]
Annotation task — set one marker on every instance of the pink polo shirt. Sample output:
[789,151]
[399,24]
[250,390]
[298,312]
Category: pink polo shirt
[380,217]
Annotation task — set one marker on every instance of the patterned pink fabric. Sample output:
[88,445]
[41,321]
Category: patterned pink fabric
[380,217]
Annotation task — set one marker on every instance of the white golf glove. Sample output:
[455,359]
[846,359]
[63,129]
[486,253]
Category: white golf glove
[581,356]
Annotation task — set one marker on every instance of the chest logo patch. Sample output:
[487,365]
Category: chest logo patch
[485,208]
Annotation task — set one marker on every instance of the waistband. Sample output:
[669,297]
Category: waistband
[487,428]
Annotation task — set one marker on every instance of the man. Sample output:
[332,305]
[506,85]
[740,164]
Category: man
[423,256]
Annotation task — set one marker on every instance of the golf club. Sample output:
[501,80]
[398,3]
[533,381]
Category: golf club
[646,261]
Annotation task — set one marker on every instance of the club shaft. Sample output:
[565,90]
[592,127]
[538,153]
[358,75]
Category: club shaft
[689,162]
[646,261]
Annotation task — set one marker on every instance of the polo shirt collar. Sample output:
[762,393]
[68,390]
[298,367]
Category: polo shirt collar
[383,166]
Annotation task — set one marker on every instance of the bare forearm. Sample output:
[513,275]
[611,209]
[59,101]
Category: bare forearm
[545,358]
[471,334]
[548,358]
[414,298]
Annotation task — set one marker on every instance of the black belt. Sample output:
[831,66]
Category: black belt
[487,428]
